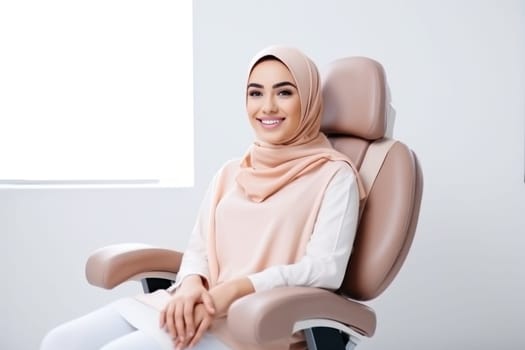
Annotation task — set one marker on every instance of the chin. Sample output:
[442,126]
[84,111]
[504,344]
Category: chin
[277,137]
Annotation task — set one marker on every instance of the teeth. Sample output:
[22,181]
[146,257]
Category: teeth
[270,122]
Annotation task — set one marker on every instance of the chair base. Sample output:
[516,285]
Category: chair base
[319,338]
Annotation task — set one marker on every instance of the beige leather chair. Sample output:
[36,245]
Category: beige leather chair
[356,109]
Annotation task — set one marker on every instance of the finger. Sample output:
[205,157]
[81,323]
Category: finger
[178,345]
[170,320]
[208,303]
[181,344]
[201,329]
[188,318]
[179,322]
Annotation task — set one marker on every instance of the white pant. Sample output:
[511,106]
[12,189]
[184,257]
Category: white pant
[106,329]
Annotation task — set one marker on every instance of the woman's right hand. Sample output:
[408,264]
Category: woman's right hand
[177,317]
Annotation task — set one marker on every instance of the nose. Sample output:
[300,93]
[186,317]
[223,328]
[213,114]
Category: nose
[269,105]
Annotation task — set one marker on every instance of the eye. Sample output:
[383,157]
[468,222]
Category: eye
[254,93]
[285,92]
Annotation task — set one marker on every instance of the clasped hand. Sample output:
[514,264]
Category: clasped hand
[189,313]
[192,308]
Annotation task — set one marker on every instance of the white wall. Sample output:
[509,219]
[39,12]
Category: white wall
[457,75]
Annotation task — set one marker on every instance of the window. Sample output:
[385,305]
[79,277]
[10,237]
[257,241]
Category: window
[96,91]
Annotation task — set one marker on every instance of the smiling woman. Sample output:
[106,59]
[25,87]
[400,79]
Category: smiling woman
[96,92]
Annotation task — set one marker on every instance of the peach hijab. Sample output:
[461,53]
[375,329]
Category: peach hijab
[266,168]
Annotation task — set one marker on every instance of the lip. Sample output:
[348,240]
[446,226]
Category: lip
[270,122]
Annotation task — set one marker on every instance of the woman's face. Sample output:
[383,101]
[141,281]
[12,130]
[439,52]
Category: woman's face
[272,102]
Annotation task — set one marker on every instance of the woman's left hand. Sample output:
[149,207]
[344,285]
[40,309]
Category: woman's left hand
[223,295]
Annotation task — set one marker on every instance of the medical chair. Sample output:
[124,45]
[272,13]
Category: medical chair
[355,119]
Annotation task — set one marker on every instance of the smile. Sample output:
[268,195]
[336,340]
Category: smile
[269,123]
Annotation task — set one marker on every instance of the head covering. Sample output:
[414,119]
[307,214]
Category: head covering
[266,168]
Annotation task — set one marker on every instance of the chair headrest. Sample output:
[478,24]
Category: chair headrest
[356,99]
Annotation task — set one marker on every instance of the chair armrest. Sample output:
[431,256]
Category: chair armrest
[112,265]
[267,316]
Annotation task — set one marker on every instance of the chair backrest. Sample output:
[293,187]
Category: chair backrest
[356,105]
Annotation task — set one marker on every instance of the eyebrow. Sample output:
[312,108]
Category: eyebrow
[274,86]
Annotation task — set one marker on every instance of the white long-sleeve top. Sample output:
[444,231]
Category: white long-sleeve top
[327,253]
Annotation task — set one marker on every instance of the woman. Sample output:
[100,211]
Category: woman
[283,215]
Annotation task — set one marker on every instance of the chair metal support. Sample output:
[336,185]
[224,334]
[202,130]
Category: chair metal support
[321,338]
[149,285]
